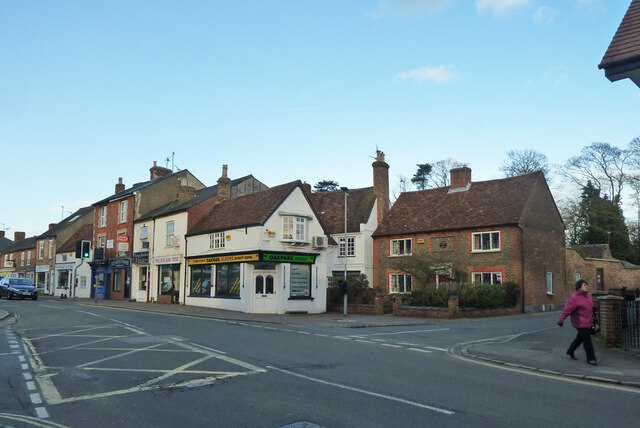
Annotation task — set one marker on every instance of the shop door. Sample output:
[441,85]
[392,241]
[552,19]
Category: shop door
[264,289]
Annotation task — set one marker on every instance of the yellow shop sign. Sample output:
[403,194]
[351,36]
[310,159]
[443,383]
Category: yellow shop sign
[225,259]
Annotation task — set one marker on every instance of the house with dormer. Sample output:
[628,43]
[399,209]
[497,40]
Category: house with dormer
[489,231]
[113,231]
[159,267]
[259,253]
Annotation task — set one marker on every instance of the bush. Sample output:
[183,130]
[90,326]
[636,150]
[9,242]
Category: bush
[358,290]
[475,295]
[489,295]
[512,294]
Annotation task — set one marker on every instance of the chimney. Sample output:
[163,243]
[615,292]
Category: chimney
[52,225]
[119,185]
[158,171]
[18,236]
[1,234]
[460,178]
[306,187]
[381,184]
[224,185]
[185,192]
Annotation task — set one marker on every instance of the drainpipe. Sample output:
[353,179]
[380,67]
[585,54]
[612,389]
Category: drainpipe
[522,262]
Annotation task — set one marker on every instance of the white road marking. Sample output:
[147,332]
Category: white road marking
[35,398]
[27,376]
[437,349]
[408,332]
[25,366]
[90,313]
[420,350]
[390,345]
[365,341]
[362,391]
[42,412]
[31,385]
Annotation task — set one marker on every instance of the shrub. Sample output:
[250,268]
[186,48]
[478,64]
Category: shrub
[489,295]
[511,294]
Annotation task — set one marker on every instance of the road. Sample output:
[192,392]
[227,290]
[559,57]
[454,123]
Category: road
[66,364]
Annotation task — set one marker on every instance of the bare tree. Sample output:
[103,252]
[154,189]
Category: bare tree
[603,165]
[520,162]
[441,172]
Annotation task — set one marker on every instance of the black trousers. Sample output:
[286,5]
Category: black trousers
[583,338]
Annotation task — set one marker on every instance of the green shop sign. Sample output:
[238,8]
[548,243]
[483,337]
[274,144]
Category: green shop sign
[288,258]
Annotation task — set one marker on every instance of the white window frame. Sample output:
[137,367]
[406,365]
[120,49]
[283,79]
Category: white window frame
[28,258]
[22,259]
[217,240]
[549,279]
[485,245]
[399,247]
[496,277]
[351,246]
[294,228]
[171,234]
[103,216]
[144,233]
[102,241]
[398,281]
[40,250]
[123,211]
[51,248]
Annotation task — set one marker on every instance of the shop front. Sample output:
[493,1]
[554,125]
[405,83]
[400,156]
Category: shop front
[42,278]
[257,282]
[120,279]
[64,278]
[169,274]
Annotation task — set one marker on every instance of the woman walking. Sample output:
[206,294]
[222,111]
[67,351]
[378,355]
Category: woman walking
[580,308]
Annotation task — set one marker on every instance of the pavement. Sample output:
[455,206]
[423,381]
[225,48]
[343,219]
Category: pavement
[541,351]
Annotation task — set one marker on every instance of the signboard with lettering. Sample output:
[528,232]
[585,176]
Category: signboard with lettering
[288,258]
[237,258]
[167,260]
[141,258]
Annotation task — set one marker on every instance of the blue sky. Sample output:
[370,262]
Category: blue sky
[95,90]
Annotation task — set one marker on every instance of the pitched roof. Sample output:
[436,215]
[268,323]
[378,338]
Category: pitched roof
[594,251]
[243,211]
[25,244]
[624,48]
[66,222]
[138,186]
[330,207]
[201,195]
[84,232]
[484,204]
[5,243]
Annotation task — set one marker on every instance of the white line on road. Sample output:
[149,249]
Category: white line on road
[208,349]
[53,307]
[437,349]
[390,345]
[35,398]
[420,350]
[365,341]
[89,313]
[128,325]
[409,332]
[42,412]
[31,385]
[362,391]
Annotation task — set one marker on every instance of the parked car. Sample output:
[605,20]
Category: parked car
[18,288]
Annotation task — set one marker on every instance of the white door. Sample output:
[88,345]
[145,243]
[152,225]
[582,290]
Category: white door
[264,292]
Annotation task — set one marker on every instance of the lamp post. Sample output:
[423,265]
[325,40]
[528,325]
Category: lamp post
[344,298]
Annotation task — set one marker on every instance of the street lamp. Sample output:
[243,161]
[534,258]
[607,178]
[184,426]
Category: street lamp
[344,299]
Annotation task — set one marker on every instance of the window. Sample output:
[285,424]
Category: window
[102,240]
[170,229]
[103,216]
[51,248]
[28,258]
[200,285]
[216,240]
[83,282]
[577,276]
[399,283]
[549,282]
[300,281]
[41,250]
[22,259]
[487,277]
[401,247]
[228,280]
[144,233]
[264,285]
[294,228]
[123,212]
[351,246]
[486,241]
[169,278]
[142,284]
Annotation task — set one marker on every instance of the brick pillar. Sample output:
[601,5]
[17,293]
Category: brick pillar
[397,302]
[379,303]
[611,328]
[616,291]
[453,304]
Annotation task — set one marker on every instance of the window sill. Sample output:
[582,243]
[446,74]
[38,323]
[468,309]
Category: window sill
[486,251]
[551,294]
[227,297]
[302,298]
[400,255]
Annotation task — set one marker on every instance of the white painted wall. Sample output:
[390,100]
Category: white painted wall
[83,270]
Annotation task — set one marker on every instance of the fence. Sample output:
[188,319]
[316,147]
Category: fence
[619,316]
[627,319]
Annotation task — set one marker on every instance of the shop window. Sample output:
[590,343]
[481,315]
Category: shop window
[200,285]
[169,279]
[117,279]
[142,284]
[228,280]
[300,281]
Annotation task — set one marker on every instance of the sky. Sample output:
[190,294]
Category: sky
[293,90]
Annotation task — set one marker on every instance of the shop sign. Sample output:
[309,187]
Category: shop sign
[238,258]
[141,258]
[65,266]
[42,268]
[288,258]
[167,260]
[120,263]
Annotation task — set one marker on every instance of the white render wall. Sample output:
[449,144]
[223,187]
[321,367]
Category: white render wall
[83,270]
[257,238]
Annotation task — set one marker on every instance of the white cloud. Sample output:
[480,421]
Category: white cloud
[545,15]
[441,75]
[499,7]
[408,8]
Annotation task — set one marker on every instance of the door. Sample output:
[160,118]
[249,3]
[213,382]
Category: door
[264,293]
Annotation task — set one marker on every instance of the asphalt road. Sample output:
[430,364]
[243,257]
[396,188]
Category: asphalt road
[64,364]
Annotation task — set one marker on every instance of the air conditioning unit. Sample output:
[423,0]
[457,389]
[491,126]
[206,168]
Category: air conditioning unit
[319,242]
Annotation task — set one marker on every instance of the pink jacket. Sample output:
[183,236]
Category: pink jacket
[580,307]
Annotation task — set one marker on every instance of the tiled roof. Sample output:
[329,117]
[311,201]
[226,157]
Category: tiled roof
[593,251]
[244,211]
[330,207]
[24,244]
[5,243]
[84,232]
[484,204]
[625,45]
[138,186]
[66,222]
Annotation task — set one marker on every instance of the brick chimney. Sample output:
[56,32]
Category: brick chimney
[158,171]
[381,184]
[460,178]
[224,185]
[18,236]
[306,187]
[1,234]
[52,225]
[119,185]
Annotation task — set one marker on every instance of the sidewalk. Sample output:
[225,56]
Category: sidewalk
[540,351]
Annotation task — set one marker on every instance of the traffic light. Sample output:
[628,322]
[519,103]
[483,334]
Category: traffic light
[86,249]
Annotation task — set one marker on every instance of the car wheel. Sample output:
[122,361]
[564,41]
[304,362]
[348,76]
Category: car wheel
[9,296]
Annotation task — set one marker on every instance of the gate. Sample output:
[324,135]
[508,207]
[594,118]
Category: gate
[627,315]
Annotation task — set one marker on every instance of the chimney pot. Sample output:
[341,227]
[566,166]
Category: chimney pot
[381,185]
[119,185]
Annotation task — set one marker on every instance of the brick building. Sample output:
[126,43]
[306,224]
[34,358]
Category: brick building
[18,259]
[491,231]
[596,265]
